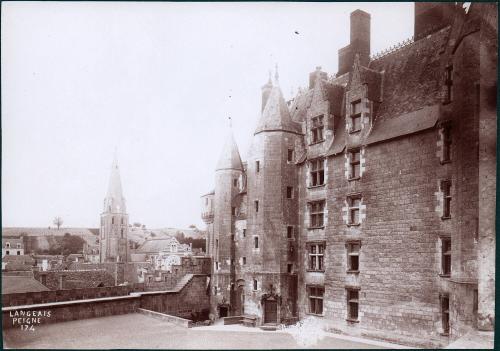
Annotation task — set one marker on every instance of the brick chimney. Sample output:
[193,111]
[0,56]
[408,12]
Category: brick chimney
[360,42]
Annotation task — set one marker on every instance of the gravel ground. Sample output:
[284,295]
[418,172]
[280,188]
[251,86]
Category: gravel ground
[144,332]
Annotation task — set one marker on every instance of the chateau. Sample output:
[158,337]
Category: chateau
[368,200]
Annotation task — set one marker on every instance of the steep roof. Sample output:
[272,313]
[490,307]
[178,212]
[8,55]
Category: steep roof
[114,201]
[411,76]
[276,116]
[230,155]
[21,284]
[163,244]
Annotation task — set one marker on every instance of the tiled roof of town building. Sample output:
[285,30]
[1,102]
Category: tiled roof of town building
[21,284]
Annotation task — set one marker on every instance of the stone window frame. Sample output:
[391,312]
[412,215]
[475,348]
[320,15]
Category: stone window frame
[445,188]
[290,232]
[446,142]
[352,301]
[445,256]
[350,244]
[244,232]
[315,214]
[256,244]
[317,172]
[289,268]
[256,206]
[290,155]
[315,295]
[316,259]
[255,285]
[18,245]
[356,115]
[353,162]
[317,129]
[444,305]
[289,192]
[448,82]
[7,245]
[243,260]
[349,199]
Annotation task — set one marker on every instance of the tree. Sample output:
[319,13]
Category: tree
[58,222]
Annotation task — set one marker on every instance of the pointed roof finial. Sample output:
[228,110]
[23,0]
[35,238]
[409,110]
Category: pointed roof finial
[269,81]
[276,75]
[230,122]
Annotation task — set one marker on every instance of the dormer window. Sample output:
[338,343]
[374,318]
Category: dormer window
[317,129]
[7,245]
[355,116]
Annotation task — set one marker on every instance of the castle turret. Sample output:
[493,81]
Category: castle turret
[114,221]
[272,209]
[228,175]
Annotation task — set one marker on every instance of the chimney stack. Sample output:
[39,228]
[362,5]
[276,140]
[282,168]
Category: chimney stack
[360,42]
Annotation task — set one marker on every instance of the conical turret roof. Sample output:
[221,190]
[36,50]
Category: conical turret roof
[114,201]
[230,156]
[276,116]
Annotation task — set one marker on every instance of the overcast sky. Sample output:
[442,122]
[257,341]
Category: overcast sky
[158,82]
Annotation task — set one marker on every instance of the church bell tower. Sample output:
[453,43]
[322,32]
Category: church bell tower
[113,231]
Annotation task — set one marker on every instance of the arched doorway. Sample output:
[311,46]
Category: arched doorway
[239,300]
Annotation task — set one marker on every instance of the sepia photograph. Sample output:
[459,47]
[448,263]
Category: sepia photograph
[248,175]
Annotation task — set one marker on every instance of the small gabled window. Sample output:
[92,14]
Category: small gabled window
[449,84]
[353,257]
[7,245]
[446,256]
[316,257]
[316,294]
[289,192]
[317,129]
[317,172]
[355,116]
[446,191]
[289,157]
[354,164]
[354,203]
[352,304]
[317,214]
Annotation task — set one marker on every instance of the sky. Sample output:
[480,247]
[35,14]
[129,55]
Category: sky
[157,82]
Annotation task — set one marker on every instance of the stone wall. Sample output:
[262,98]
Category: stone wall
[70,279]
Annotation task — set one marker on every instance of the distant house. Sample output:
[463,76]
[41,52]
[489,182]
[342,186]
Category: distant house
[162,252]
[48,262]
[12,246]
[21,284]
[17,263]
[91,253]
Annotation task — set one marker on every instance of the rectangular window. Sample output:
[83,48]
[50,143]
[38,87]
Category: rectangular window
[233,211]
[316,256]
[289,156]
[316,294]
[289,192]
[446,190]
[255,284]
[256,206]
[244,260]
[256,242]
[317,129]
[244,233]
[354,163]
[317,172]
[445,313]
[353,256]
[216,265]
[235,182]
[449,84]
[18,253]
[354,205]
[446,256]
[446,152]
[317,214]
[257,166]
[352,304]
[122,232]
[290,267]
[355,116]
[112,220]
[289,232]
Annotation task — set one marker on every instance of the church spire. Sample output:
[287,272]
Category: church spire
[114,201]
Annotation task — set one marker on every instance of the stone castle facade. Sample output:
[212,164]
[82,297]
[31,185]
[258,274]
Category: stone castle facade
[368,200]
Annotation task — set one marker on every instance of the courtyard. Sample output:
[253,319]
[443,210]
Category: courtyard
[138,331]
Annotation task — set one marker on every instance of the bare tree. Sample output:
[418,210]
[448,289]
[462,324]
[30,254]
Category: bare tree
[58,222]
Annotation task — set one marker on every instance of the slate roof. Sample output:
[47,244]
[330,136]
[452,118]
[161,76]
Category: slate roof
[276,115]
[13,241]
[230,155]
[162,244]
[411,76]
[20,284]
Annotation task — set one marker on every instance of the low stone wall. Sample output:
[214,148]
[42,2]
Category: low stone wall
[42,297]
[186,323]
[190,302]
